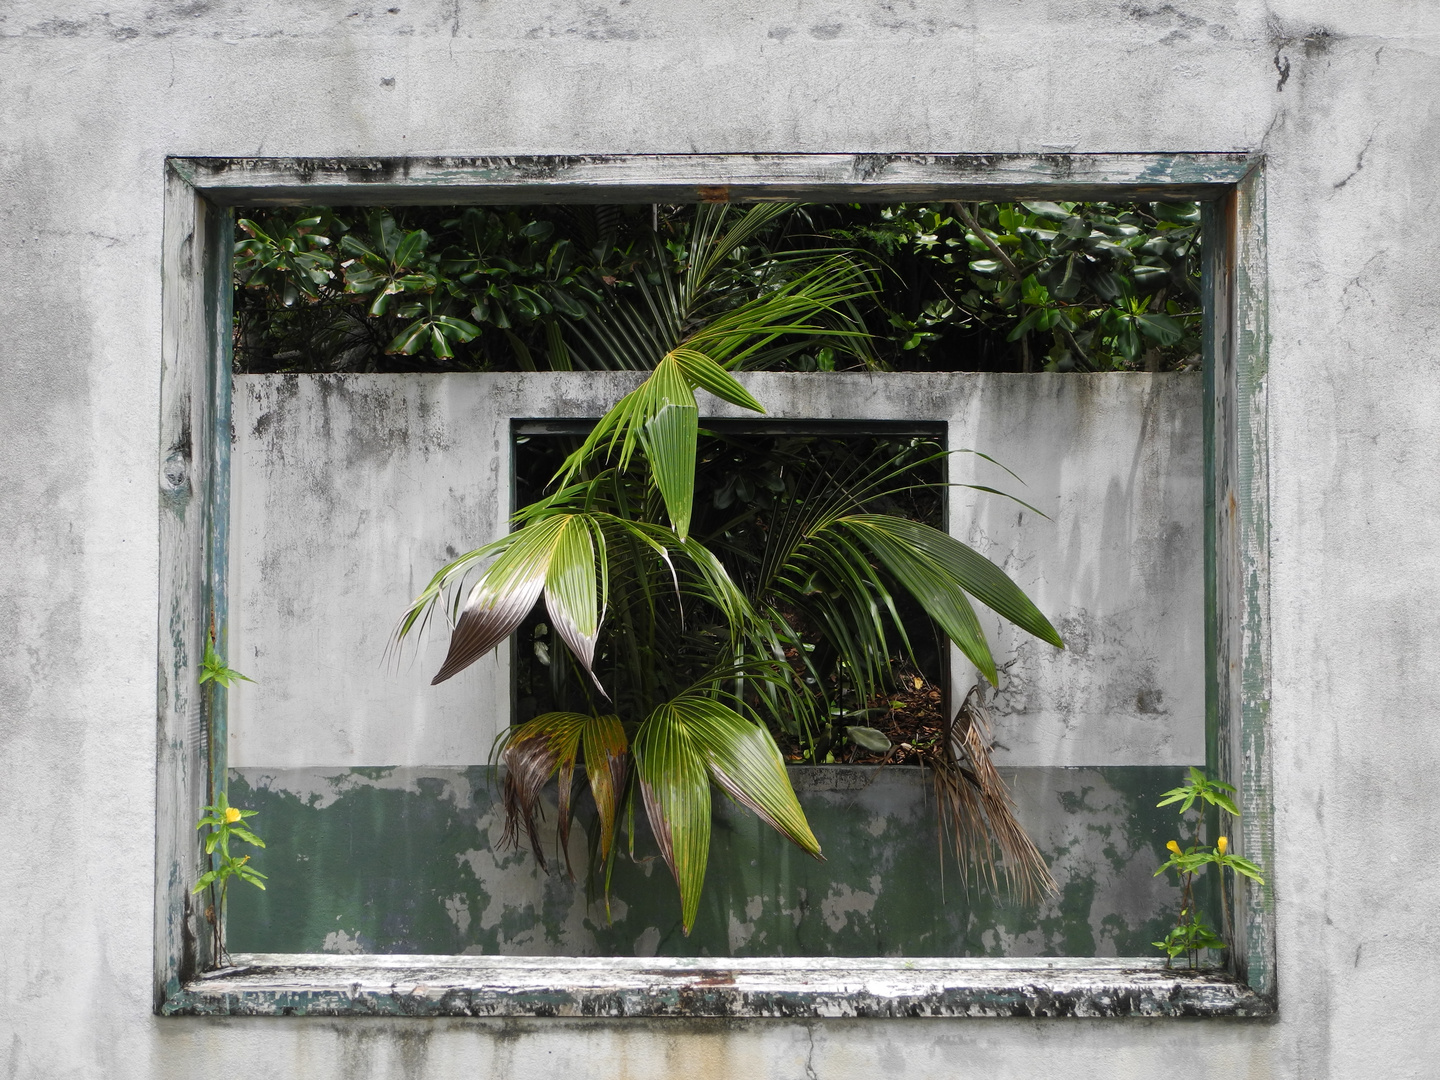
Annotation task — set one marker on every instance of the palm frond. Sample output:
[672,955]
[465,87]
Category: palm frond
[661,419]
[964,567]
[675,786]
[977,811]
[574,595]
[684,744]
[555,555]
[503,596]
[535,751]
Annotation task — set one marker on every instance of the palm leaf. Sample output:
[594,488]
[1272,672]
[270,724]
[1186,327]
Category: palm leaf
[977,811]
[679,748]
[965,567]
[744,760]
[555,555]
[572,593]
[669,438]
[936,592]
[503,596]
[676,788]
[536,750]
[607,754]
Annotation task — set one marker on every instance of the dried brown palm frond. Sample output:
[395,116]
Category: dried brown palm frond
[977,812]
[535,751]
[529,763]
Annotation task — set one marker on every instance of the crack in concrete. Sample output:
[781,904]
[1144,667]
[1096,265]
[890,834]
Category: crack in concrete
[1359,161]
[1282,65]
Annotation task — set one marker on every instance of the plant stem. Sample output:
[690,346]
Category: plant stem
[1225,912]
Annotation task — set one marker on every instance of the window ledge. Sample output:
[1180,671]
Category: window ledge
[273,984]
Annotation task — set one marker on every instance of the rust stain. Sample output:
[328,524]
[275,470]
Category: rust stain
[716,193]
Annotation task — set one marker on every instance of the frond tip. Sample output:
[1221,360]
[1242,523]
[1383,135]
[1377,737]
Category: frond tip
[552,742]
[556,555]
[680,748]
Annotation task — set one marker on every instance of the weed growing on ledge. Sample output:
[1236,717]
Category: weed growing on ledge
[1191,932]
[226,822]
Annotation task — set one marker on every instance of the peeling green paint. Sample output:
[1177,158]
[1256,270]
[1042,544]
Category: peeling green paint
[408,860]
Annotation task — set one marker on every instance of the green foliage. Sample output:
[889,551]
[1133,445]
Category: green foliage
[951,286]
[213,669]
[442,289]
[1188,936]
[225,823]
[1191,933]
[684,644]
[1075,286]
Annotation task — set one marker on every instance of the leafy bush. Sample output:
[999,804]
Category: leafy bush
[686,647]
[990,286]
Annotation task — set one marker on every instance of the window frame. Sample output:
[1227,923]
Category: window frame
[194,448]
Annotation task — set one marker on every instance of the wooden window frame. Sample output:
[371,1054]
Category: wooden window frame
[194,523]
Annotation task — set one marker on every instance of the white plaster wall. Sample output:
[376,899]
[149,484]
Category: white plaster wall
[348,492]
[1340,96]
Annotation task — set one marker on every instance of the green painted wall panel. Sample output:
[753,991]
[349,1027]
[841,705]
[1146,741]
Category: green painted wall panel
[409,860]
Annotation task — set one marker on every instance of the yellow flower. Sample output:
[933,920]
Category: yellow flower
[1221,845]
[231,815]
[1173,846]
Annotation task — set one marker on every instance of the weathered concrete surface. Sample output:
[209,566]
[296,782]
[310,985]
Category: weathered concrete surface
[349,491]
[1339,96]
[411,860]
[297,984]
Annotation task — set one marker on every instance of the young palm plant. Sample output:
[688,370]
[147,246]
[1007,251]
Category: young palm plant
[683,647]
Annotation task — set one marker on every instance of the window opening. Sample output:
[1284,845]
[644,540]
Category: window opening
[1129,324]
[747,473]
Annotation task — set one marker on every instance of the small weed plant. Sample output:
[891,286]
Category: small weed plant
[213,669]
[1191,933]
[226,823]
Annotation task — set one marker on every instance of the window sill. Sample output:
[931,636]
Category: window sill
[272,984]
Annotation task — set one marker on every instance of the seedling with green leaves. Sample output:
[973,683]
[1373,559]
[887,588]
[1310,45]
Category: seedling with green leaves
[1191,933]
[226,823]
[213,669]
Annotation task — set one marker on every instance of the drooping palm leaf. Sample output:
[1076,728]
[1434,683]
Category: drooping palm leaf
[535,751]
[942,597]
[745,762]
[574,592]
[977,811]
[679,748]
[503,596]
[965,567]
[554,555]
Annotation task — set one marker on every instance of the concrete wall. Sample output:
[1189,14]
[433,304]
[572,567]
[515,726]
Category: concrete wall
[412,860]
[348,492]
[1339,96]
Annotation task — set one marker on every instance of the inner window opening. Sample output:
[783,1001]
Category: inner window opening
[1005,288]
[749,475]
